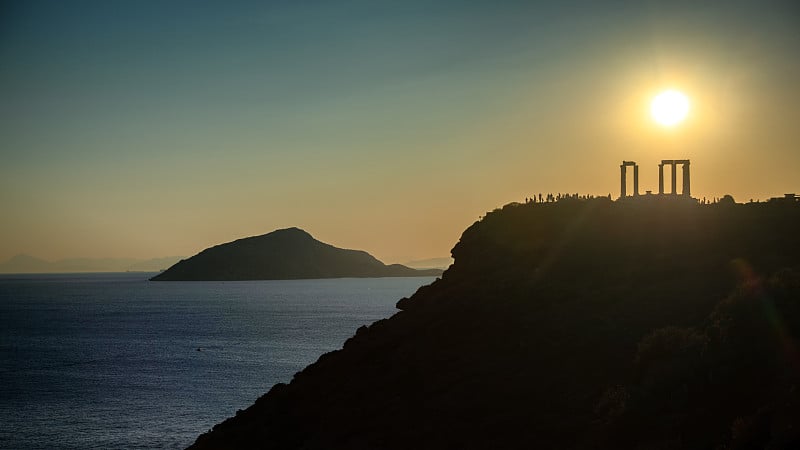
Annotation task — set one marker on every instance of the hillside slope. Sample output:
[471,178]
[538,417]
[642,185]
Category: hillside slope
[576,324]
[286,254]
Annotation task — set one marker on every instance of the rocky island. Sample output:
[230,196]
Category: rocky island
[573,324]
[288,254]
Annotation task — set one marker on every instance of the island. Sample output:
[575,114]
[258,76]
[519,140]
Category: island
[648,322]
[287,254]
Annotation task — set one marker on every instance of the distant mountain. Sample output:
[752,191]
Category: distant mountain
[431,263]
[32,264]
[25,264]
[153,265]
[287,254]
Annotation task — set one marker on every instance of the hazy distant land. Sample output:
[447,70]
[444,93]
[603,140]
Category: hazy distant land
[653,322]
[430,263]
[31,264]
[287,254]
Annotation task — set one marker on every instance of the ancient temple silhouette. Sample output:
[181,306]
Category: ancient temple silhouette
[624,178]
[684,166]
[684,163]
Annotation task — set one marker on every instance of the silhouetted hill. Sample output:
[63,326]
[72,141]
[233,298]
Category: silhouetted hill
[283,255]
[576,324]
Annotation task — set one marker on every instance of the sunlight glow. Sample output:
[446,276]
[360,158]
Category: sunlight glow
[669,107]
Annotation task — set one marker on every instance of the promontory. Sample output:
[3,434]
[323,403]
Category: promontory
[653,323]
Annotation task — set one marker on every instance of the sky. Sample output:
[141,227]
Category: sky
[152,128]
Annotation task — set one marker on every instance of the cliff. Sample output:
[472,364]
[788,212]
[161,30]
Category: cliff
[283,255]
[576,324]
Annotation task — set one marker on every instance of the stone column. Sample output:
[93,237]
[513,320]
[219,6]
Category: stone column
[674,179]
[686,189]
[636,180]
[661,179]
[622,181]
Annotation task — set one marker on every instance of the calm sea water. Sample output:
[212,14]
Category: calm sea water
[115,361]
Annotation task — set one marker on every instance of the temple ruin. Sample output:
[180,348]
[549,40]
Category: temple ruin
[673,163]
[624,178]
[684,166]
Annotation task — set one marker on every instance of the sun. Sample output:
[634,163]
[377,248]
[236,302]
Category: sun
[669,107]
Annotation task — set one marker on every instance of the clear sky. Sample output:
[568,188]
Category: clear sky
[153,128]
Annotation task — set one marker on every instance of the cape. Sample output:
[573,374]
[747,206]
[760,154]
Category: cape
[574,324]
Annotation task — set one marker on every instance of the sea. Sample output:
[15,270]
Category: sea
[114,361]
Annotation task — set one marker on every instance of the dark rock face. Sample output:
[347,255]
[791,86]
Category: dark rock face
[282,255]
[577,324]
